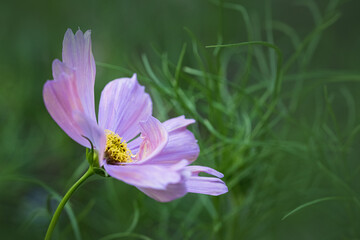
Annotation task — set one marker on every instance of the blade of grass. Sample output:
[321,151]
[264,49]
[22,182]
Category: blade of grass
[316,201]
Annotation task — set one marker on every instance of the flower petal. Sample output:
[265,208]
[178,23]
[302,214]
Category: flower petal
[61,100]
[77,55]
[195,170]
[144,176]
[155,138]
[177,123]
[172,192]
[123,104]
[204,185]
[59,68]
[134,145]
[181,145]
[94,133]
[73,86]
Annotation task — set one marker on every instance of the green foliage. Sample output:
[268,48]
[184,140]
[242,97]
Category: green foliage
[273,86]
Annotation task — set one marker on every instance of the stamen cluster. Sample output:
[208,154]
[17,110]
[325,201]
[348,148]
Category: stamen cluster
[116,150]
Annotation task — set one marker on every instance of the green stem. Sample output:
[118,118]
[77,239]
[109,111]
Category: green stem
[59,209]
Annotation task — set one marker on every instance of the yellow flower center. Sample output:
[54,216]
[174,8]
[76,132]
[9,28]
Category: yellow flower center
[116,150]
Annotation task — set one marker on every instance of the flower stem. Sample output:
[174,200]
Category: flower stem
[59,209]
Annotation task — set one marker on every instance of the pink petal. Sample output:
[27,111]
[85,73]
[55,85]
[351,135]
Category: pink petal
[77,55]
[61,100]
[59,68]
[145,176]
[123,104]
[172,191]
[177,123]
[94,133]
[134,145]
[181,145]
[73,86]
[155,138]
[204,185]
[195,170]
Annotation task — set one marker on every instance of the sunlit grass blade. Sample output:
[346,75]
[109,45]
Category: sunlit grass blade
[316,201]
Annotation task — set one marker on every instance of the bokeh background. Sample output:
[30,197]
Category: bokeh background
[282,125]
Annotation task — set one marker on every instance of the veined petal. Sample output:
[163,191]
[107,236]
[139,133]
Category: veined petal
[155,138]
[59,68]
[77,55]
[145,176]
[134,145]
[195,170]
[123,104]
[61,100]
[177,123]
[181,145]
[93,132]
[172,192]
[204,185]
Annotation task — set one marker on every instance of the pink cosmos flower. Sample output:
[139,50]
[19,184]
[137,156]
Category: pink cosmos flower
[156,162]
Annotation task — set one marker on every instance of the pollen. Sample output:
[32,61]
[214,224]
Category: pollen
[116,150]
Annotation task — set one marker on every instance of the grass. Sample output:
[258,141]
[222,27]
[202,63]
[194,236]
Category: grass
[275,99]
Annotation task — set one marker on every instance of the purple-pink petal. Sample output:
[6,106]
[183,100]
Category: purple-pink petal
[134,145]
[59,68]
[190,182]
[144,176]
[93,132]
[72,89]
[61,99]
[204,185]
[123,104]
[195,170]
[181,145]
[155,138]
[177,123]
[172,192]
[77,55]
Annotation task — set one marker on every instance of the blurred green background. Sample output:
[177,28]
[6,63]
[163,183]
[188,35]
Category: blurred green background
[284,133]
